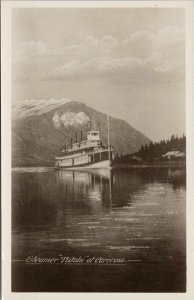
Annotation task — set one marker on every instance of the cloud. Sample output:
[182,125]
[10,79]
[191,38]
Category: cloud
[95,66]
[142,51]
[108,42]
[25,50]
[170,35]
[169,50]
[91,42]
[70,119]
[140,44]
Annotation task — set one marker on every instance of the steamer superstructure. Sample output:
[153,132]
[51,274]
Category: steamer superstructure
[89,153]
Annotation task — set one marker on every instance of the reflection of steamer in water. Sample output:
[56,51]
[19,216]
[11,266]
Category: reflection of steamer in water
[90,153]
[105,187]
[88,186]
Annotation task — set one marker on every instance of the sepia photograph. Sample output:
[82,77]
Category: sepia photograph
[98,148]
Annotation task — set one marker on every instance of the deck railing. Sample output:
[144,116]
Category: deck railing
[89,151]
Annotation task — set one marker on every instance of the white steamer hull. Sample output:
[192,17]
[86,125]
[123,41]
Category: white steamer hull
[105,164]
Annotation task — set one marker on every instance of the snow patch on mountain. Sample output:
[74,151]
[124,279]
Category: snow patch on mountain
[70,119]
[30,107]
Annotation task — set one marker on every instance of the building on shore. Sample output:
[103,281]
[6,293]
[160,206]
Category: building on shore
[175,154]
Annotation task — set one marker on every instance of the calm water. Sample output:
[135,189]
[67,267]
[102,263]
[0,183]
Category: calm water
[136,216]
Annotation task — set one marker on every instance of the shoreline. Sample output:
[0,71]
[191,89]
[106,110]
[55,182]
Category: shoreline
[155,165]
[127,166]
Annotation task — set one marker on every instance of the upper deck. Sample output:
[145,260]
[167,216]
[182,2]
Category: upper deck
[92,141]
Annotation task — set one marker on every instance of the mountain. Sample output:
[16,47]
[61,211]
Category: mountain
[40,128]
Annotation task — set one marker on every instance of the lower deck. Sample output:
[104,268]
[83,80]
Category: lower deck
[84,160]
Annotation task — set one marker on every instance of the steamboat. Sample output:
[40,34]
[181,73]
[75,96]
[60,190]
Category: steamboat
[86,154]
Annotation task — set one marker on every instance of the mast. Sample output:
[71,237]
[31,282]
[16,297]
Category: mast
[108,137]
[71,143]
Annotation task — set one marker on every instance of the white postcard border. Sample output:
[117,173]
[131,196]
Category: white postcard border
[6,148]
